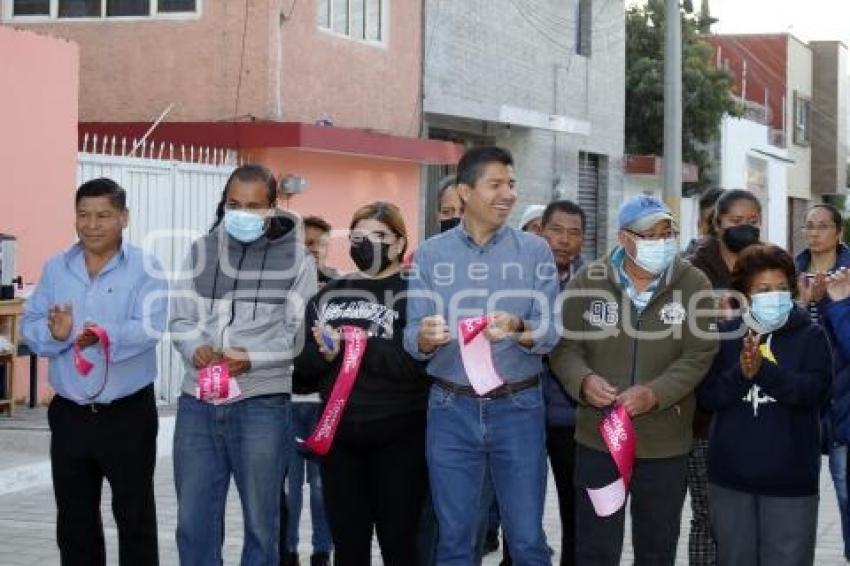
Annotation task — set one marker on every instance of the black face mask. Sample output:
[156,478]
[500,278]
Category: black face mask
[737,238]
[363,255]
[448,224]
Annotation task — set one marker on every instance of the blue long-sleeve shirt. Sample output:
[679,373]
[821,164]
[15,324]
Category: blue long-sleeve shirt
[454,277]
[128,299]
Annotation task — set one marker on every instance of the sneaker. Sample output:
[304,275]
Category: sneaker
[290,559]
[491,542]
[320,559]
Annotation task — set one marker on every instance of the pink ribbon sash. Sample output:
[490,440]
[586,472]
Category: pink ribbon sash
[83,365]
[215,385]
[322,436]
[618,432]
[477,356]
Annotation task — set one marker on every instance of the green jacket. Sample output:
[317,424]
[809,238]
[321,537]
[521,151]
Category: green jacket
[671,355]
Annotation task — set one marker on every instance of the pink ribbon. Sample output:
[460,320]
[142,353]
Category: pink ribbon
[618,432]
[322,436]
[83,365]
[477,356]
[214,384]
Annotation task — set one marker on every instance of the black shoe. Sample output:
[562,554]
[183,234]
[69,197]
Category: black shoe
[320,559]
[290,559]
[491,542]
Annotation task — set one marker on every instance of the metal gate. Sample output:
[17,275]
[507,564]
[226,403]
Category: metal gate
[171,203]
[590,201]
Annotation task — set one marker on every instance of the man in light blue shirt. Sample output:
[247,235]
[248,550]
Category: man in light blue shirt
[485,267]
[104,301]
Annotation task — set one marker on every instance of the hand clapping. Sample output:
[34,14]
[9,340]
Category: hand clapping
[838,285]
[750,355]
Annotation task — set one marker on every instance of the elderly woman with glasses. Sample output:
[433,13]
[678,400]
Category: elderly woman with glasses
[374,474]
[824,255]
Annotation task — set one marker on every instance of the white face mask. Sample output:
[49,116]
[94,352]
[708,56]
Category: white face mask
[654,256]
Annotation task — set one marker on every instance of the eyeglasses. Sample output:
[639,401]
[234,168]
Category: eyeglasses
[810,228]
[378,236]
[663,236]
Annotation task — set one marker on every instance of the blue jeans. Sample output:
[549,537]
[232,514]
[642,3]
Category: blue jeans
[304,419]
[838,470]
[467,437]
[249,440]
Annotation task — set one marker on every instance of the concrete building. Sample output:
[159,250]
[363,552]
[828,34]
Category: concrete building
[547,81]
[794,130]
[829,117]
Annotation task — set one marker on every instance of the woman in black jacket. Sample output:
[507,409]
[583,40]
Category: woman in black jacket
[734,225]
[374,475]
[766,387]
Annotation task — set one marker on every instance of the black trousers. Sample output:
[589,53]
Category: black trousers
[116,442]
[561,446]
[375,477]
[656,494]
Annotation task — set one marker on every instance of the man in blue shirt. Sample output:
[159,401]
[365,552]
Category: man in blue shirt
[485,267]
[106,300]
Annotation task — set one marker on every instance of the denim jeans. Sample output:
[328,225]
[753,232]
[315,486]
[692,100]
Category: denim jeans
[304,419]
[838,470]
[249,440]
[468,437]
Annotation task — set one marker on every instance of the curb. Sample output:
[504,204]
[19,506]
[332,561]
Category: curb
[37,475]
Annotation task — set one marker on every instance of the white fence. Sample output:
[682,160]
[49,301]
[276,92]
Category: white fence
[171,203]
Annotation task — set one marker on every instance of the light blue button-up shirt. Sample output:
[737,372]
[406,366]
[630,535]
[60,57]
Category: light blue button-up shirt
[128,299]
[454,277]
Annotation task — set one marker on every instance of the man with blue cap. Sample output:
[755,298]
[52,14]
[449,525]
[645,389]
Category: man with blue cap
[637,335]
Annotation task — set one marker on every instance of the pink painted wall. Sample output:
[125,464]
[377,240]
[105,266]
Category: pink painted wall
[132,70]
[339,184]
[360,85]
[38,153]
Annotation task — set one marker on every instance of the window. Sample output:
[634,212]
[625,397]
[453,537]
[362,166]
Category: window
[79,9]
[128,7]
[68,9]
[584,24]
[171,6]
[31,7]
[802,114]
[323,14]
[357,19]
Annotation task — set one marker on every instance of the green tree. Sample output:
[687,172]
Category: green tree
[706,89]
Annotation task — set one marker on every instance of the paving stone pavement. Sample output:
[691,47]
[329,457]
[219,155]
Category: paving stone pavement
[27,525]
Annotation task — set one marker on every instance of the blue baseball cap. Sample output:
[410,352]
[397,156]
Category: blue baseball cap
[642,213]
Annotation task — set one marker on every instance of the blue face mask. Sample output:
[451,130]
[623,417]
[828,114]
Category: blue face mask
[771,309]
[655,256]
[244,226]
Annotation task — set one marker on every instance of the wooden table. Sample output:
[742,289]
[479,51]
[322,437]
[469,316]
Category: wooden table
[10,324]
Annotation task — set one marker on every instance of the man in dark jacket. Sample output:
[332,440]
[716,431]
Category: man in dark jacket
[640,345]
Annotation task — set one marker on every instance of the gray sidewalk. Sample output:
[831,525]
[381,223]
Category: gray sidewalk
[27,517]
